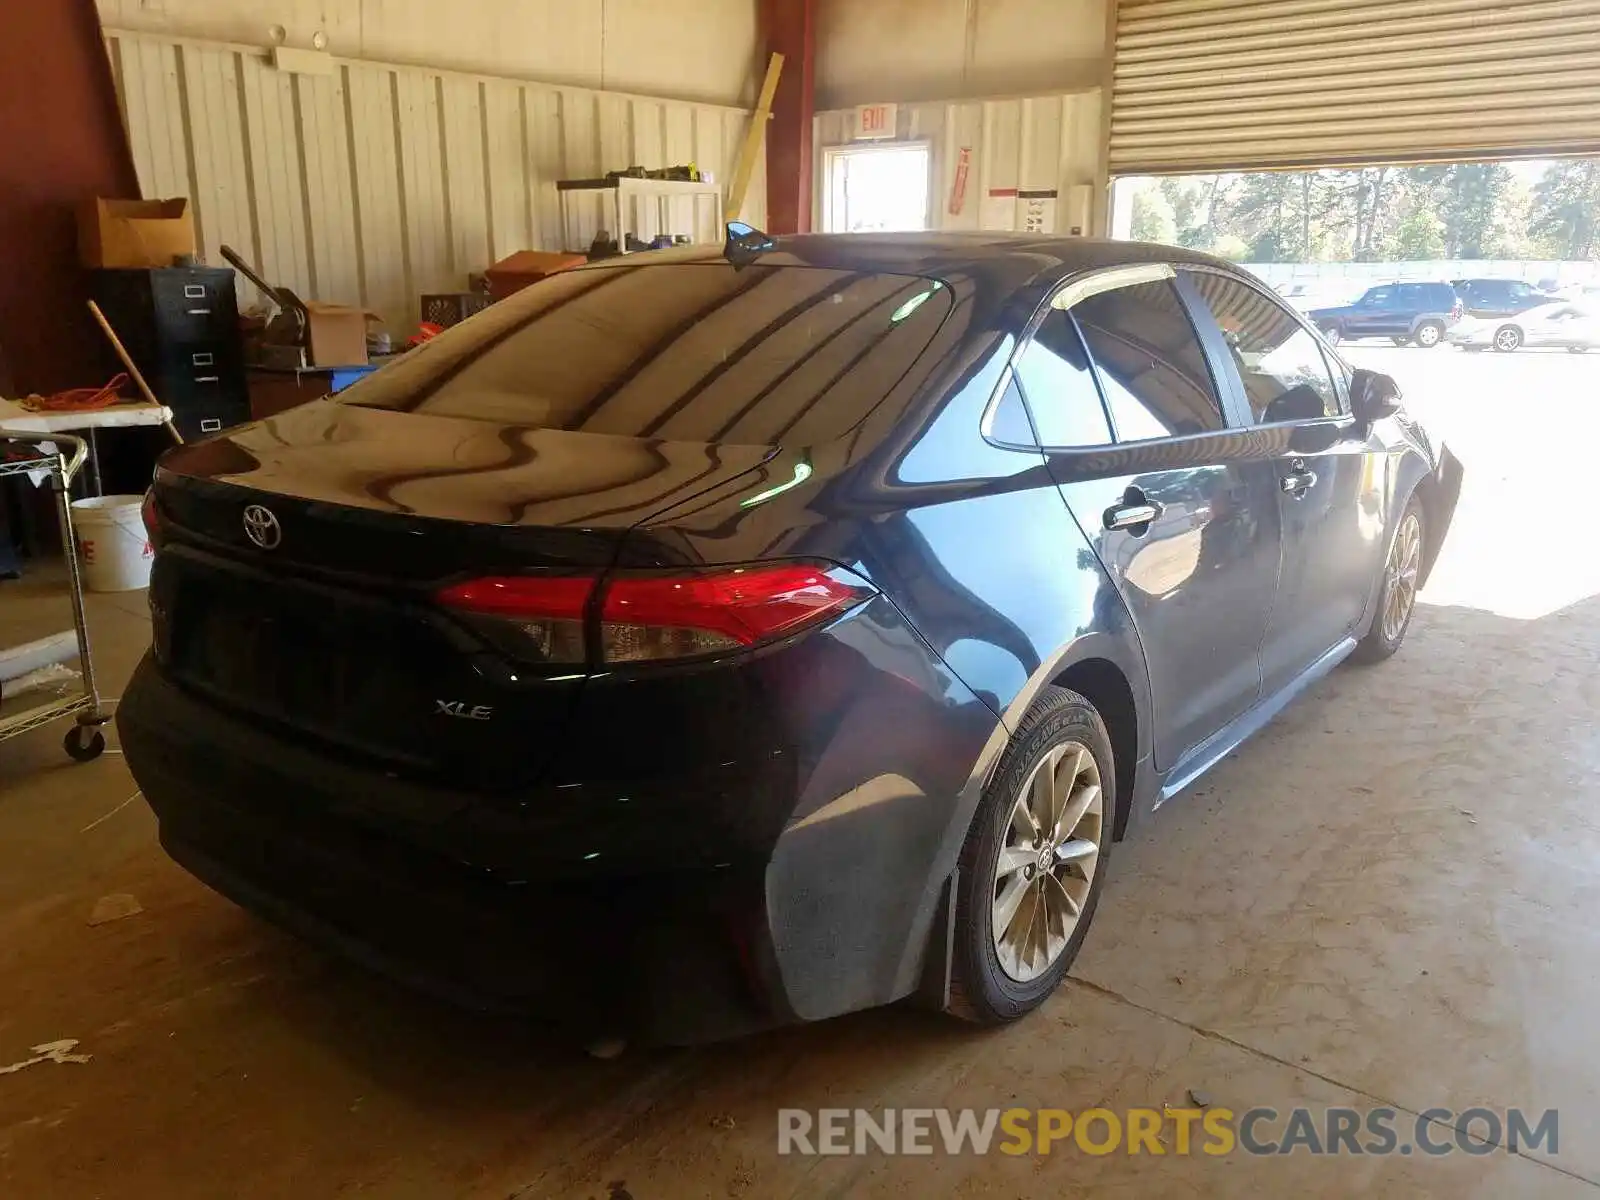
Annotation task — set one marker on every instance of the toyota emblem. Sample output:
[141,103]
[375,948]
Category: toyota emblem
[262,528]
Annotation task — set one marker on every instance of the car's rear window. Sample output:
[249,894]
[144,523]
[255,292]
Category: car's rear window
[682,351]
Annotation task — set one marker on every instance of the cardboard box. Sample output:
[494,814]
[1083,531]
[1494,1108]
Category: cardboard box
[134,233]
[517,271]
[337,333]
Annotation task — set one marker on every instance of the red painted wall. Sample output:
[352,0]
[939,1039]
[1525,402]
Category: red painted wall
[61,140]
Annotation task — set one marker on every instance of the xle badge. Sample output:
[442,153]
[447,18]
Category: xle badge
[460,708]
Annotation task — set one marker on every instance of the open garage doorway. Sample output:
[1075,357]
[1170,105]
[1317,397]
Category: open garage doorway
[876,189]
[1476,285]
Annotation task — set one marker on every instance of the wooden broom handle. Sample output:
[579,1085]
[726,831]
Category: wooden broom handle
[127,361]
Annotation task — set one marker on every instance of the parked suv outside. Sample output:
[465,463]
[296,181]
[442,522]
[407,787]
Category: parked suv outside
[1402,312]
[1498,297]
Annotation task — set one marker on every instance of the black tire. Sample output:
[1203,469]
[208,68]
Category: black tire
[84,743]
[981,991]
[1428,334]
[1577,349]
[1377,645]
[1507,339]
[1400,341]
[1333,333]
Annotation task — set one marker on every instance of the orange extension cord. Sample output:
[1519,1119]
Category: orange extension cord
[77,399]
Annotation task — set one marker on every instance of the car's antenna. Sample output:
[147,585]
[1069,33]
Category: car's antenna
[746,243]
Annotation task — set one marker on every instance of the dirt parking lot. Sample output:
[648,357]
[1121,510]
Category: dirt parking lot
[1386,899]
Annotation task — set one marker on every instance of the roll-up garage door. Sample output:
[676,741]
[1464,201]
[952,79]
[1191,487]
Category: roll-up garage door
[1209,85]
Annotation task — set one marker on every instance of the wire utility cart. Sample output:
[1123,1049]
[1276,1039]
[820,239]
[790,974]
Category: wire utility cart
[85,740]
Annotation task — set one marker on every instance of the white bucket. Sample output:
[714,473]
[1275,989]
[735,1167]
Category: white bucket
[113,549]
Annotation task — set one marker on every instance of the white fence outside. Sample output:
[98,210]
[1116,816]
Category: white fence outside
[1334,277]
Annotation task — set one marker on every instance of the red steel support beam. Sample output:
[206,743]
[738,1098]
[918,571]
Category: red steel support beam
[790,29]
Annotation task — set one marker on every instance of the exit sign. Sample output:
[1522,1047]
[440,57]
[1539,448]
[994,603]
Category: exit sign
[875,121]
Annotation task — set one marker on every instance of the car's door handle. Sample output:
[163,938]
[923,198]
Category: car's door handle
[1131,516]
[1297,483]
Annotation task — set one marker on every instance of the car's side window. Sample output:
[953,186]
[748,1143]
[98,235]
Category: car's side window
[1151,368]
[1285,374]
[1378,297]
[1059,386]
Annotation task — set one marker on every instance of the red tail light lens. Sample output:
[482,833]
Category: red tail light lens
[542,613]
[646,618]
[557,596]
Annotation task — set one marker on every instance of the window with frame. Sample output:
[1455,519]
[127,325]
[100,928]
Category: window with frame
[1286,376]
[1154,375]
[1059,385]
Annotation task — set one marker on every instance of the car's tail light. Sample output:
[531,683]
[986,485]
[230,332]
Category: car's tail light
[545,611]
[650,617]
[151,515]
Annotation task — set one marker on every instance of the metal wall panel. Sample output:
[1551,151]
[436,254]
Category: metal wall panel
[1256,84]
[701,51]
[1039,144]
[381,182]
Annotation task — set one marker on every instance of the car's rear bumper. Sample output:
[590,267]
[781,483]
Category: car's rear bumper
[673,955]
[678,906]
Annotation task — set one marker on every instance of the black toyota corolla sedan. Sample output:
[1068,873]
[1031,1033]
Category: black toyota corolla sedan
[704,640]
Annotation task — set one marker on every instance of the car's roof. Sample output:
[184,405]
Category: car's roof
[939,255]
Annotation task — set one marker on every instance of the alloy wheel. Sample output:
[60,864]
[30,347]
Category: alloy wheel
[1507,340]
[1428,336]
[1047,861]
[1400,577]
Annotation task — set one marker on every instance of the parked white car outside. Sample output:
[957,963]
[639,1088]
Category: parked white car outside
[1572,326]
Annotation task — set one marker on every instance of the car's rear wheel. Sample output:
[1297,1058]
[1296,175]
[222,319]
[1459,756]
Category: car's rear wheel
[1333,333]
[1033,864]
[1507,338]
[1397,596]
[1429,334]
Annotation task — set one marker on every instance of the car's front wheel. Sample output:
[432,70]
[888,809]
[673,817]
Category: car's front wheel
[1034,861]
[1399,341]
[1507,338]
[1429,334]
[1397,595]
[1333,333]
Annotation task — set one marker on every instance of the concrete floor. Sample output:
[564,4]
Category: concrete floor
[1386,899]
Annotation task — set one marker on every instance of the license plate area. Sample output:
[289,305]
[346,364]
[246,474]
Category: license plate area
[338,669]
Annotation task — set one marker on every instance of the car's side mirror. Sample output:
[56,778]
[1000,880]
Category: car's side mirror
[1373,395]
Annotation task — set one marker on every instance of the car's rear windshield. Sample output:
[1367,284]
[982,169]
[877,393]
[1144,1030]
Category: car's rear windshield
[681,351]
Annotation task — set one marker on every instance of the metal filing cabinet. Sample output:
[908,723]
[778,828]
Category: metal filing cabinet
[181,326]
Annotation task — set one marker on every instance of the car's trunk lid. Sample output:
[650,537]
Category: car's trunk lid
[294,586]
